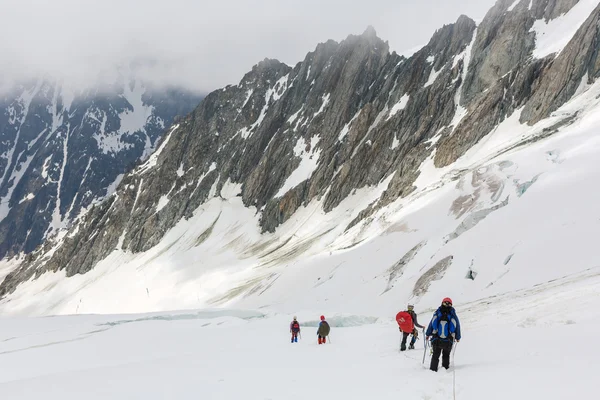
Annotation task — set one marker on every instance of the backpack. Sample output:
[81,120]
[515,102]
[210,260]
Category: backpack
[443,327]
[324,329]
[405,322]
[295,326]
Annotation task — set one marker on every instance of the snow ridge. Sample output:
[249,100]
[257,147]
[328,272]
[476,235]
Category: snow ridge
[552,36]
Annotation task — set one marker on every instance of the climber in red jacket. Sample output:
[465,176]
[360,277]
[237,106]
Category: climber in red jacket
[408,324]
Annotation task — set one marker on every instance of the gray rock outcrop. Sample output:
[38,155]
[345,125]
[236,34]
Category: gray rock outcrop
[349,116]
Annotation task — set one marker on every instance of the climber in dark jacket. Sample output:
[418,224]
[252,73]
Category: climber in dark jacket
[444,330]
[323,330]
[415,332]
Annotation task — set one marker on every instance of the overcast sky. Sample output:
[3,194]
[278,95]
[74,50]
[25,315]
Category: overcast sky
[202,45]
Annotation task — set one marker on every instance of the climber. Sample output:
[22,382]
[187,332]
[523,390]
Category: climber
[443,329]
[295,329]
[323,330]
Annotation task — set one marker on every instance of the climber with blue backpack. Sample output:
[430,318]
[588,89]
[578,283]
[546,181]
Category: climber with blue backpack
[443,330]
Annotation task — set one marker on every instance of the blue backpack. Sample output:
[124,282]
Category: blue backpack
[444,324]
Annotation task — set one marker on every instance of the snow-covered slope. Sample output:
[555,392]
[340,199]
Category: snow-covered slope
[518,210]
[551,36]
[481,186]
[298,188]
[512,347]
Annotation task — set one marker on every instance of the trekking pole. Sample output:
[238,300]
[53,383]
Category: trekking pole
[329,336]
[453,353]
[425,342]
[400,343]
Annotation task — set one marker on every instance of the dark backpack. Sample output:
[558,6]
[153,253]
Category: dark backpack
[324,328]
[445,316]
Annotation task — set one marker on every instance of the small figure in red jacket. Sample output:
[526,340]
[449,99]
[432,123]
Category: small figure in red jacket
[295,330]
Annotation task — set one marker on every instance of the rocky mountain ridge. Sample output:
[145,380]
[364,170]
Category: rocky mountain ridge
[351,115]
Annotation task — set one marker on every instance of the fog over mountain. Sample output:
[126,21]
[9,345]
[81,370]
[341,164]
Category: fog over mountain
[200,45]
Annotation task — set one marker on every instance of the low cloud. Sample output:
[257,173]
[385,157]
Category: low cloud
[199,45]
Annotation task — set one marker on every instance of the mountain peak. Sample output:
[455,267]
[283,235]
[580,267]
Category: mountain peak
[267,63]
[464,20]
[370,32]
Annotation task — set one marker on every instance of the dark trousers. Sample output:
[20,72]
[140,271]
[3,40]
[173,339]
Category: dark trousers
[443,348]
[404,337]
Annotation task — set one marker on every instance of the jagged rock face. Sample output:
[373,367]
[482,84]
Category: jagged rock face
[62,150]
[503,42]
[502,75]
[551,9]
[350,115]
[578,64]
[358,111]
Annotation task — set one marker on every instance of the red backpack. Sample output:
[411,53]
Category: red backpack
[405,322]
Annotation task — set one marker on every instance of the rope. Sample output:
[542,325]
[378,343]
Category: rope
[454,372]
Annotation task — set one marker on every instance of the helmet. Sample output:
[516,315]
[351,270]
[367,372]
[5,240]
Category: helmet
[447,300]
[410,306]
[295,317]
[322,318]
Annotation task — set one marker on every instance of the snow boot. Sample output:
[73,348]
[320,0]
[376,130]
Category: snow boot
[411,346]
[296,339]
[320,341]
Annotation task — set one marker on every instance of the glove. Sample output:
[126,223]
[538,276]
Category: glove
[457,341]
